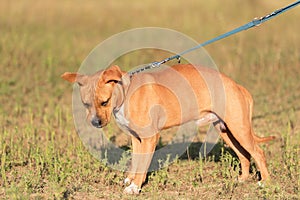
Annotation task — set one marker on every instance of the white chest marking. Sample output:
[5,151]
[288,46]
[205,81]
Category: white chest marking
[120,116]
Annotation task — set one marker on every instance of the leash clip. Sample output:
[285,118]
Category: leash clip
[257,21]
[178,59]
[155,64]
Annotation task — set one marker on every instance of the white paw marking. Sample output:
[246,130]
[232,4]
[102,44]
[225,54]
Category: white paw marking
[132,189]
[127,181]
[260,184]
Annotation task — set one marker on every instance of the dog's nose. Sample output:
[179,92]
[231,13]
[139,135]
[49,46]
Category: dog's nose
[96,122]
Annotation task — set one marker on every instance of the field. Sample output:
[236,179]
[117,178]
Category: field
[42,156]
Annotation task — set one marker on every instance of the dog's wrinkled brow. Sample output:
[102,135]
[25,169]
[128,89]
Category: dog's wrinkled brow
[87,105]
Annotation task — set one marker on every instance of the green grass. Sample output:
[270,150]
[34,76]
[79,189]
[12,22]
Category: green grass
[41,155]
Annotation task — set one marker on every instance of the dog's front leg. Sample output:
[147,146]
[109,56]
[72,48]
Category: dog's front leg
[142,153]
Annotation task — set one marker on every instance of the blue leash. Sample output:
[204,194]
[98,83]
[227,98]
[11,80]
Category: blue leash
[255,22]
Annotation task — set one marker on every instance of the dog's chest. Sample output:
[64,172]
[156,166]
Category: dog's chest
[120,117]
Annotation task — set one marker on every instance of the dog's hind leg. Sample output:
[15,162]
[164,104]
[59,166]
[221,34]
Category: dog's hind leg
[259,156]
[240,125]
[240,139]
[142,153]
[242,154]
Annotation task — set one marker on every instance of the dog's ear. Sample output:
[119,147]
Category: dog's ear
[126,81]
[112,75]
[74,77]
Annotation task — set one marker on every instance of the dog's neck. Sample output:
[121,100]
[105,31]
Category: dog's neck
[118,110]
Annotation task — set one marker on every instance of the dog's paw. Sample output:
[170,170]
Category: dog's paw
[127,181]
[260,184]
[132,189]
[264,183]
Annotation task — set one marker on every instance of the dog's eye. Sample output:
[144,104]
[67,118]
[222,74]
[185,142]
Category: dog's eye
[104,103]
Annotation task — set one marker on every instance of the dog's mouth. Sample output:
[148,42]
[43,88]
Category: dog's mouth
[97,126]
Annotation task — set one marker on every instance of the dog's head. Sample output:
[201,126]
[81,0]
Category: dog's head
[100,93]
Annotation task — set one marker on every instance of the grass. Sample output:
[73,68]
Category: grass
[41,155]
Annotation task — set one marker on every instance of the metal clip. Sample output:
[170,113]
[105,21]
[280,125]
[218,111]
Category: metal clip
[257,21]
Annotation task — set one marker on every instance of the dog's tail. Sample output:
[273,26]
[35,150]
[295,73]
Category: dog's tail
[250,102]
[263,139]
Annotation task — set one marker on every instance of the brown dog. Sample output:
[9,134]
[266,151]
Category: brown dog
[147,103]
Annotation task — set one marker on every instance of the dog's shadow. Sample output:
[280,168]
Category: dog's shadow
[189,151]
[193,153]
[167,154]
